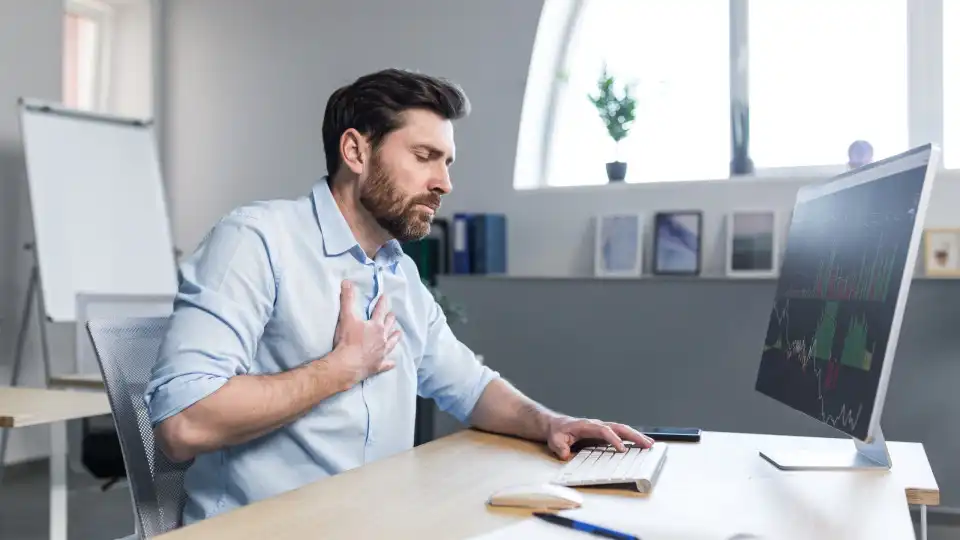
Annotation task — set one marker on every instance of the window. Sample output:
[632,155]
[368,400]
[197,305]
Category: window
[822,74]
[816,76]
[675,54]
[85,54]
[951,84]
[79,61]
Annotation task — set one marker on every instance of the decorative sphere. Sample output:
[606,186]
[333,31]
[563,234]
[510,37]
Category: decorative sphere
[859,154]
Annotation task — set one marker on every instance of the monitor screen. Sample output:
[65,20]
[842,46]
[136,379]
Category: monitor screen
[838,307]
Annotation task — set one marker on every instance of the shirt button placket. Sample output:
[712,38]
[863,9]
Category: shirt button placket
[377,293]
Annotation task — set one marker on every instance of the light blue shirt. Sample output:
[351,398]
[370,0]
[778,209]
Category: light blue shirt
[262,295]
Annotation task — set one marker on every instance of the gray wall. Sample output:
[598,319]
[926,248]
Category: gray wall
[31,43]
[30,60]
[247,82]
[131,77]
[668,351]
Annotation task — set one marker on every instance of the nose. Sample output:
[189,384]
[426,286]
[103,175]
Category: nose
[441,181]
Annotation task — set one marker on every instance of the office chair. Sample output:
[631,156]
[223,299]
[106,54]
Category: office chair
[126,350]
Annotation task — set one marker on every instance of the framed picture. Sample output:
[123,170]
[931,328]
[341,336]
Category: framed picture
[677,242]
[753,249]
[942,252]
[618,245]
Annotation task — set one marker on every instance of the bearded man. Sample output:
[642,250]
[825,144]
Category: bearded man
[302,334]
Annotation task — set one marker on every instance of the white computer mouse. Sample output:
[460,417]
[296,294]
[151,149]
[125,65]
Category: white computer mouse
[537,496]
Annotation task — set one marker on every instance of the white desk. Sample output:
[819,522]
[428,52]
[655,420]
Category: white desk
[23,407]
[439,490]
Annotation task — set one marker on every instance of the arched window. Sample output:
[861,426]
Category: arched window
[675,57]
[808,80]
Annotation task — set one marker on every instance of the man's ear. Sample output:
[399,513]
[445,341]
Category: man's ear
[354,150]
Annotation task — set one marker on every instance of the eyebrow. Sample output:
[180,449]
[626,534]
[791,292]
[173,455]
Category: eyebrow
[434,152]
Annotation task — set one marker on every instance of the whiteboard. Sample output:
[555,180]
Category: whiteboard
[99,208]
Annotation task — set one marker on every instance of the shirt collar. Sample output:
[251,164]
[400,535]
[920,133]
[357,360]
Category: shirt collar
[337,236]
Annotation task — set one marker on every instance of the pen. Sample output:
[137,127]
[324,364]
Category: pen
[585,527]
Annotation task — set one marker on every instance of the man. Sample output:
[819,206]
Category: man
[302,334]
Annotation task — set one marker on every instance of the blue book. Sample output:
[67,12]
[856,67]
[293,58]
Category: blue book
[487,239]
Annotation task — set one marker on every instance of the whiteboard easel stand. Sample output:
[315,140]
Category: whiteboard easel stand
[34,295]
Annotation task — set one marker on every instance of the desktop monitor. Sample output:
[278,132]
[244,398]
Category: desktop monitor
[845,275]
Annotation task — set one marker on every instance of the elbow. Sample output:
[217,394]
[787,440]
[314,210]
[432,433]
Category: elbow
[178,438]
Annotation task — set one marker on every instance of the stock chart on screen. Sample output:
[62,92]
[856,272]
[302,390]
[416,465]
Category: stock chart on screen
[837,296]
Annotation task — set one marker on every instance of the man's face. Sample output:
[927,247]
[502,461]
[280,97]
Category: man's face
[408,174]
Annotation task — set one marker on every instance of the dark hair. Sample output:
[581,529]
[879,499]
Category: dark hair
[373,103]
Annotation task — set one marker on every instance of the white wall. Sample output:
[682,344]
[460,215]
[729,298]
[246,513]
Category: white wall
[30,53]
[131,78]
[248,80]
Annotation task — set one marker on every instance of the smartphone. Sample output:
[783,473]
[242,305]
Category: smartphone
[680,434]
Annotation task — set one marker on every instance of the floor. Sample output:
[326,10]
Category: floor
[93,514]
[106,515]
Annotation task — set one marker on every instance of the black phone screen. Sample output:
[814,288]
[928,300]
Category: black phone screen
[671,433]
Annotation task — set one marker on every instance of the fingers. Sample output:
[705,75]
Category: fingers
[388,323]
[392,342]
[627,433]
[559,443]
[380,310]
[589,429]
[386,364]
[346,300]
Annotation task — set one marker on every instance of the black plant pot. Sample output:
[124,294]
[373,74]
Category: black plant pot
[616,171]
[741,165]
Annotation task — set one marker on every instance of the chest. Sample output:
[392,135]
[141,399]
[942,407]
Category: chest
[308,308]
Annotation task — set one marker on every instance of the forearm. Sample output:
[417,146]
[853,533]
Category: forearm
[504,409]
[250,406]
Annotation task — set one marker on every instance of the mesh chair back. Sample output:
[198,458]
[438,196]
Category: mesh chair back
[126,350]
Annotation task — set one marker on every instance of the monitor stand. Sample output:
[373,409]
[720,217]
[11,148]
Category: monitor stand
[860,456]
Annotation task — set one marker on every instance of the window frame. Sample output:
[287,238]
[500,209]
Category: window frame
[102,14]
[925,99]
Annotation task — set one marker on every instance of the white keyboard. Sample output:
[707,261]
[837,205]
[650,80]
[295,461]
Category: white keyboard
[603,465]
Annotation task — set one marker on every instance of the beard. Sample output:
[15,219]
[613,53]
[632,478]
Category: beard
[397,214]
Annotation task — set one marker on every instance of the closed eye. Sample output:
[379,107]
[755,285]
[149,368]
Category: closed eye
[427,153]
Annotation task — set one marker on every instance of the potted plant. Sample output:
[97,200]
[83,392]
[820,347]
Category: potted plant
[618,113]
[454,312]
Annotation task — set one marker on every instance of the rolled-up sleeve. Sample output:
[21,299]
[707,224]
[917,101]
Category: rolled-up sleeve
[449,371]
[226,295]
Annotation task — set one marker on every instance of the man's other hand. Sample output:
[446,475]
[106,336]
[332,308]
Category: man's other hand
[565,432]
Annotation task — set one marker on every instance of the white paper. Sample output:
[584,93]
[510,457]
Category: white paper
[537,529]
[534,529]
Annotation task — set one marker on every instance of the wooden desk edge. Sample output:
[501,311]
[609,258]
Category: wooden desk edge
[18,421]
[928,497]
[68,405]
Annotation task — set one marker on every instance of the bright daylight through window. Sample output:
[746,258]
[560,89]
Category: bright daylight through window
[676,58]
[80,49]
[818,83]
[816,79]
[951,83]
